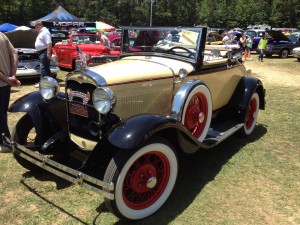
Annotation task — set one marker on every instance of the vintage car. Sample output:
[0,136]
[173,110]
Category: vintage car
[296,53]
[95,52]
[213,38]
[29,62]
[118,127]
[281,45]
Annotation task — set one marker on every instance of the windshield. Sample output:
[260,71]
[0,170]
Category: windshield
[85,39]
[178,42]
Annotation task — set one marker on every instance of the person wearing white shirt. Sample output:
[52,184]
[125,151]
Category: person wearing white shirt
[43,45]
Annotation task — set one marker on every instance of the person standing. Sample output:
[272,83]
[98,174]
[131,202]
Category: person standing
[249,43]
[242,43]
[43,45]
[261,47]
[104,39]
[8,69]
[227,39]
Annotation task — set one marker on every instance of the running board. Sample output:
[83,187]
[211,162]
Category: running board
[221,132]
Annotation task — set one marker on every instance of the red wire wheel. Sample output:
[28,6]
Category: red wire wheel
[143,180]
[251,114]
[146,180]
[197,112]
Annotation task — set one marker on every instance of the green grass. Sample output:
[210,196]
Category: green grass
[253,180]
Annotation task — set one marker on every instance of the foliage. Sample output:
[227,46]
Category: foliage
[212,13]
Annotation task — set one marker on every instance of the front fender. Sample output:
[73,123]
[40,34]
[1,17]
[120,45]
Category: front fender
[42,112]
[133,132]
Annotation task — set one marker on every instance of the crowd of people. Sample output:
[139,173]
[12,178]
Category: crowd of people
[244,43]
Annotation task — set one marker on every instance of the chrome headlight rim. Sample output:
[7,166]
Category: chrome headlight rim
[104,100]
[48,87]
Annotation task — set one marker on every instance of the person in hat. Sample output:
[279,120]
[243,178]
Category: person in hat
[43,45]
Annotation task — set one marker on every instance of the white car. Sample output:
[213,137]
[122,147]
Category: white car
[29,62]
[296,53]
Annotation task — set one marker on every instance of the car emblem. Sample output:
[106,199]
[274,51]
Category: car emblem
[85,97]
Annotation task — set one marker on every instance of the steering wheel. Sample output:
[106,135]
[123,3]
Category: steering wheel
[171,50]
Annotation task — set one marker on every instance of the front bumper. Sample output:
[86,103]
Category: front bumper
[67,173]
[296,54]
[25,72]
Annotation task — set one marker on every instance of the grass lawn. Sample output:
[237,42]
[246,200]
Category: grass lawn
[255,180]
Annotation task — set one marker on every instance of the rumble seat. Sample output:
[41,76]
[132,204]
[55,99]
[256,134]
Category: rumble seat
[218,54]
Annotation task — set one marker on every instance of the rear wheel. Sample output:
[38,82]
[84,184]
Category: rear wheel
[197,112]
[25,134]
[143,180]
[251,115]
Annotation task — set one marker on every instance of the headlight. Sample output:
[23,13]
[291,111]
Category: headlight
[103,99]
[48,87]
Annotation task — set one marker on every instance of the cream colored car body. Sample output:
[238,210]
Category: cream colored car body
[137,79]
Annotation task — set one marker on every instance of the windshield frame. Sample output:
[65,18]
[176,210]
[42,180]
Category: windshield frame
[194,35]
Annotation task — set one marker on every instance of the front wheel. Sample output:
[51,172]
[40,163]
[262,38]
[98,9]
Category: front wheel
[251,115]
[25,134]
[143,180]
[284,53]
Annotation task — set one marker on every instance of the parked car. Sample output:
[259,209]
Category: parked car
[213,38]
[29,62]
[118,127]
[282,45]
[90,46]
[296,53]
[296,33]
[115,41]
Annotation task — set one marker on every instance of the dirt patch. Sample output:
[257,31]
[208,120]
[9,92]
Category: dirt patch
[272,72]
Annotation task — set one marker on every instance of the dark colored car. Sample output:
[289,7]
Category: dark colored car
[119,127]
[282,45]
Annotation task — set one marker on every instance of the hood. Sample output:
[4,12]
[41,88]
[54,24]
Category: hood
[22,38]
[278,35]
[138,68]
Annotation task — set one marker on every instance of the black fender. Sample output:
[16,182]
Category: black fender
[133,132]
[242,94]
[47,116]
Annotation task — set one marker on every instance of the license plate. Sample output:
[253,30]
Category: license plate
[80,110]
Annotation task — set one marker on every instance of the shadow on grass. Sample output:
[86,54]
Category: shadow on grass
[32,190]
[195,171]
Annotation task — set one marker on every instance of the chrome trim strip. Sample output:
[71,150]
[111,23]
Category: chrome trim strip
[87,76]
[67,173]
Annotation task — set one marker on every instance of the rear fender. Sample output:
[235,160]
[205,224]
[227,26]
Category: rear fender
[242,95]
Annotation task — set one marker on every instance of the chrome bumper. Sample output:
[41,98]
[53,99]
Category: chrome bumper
[67,173]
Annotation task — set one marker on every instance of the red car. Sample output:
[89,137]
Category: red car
[66,51]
